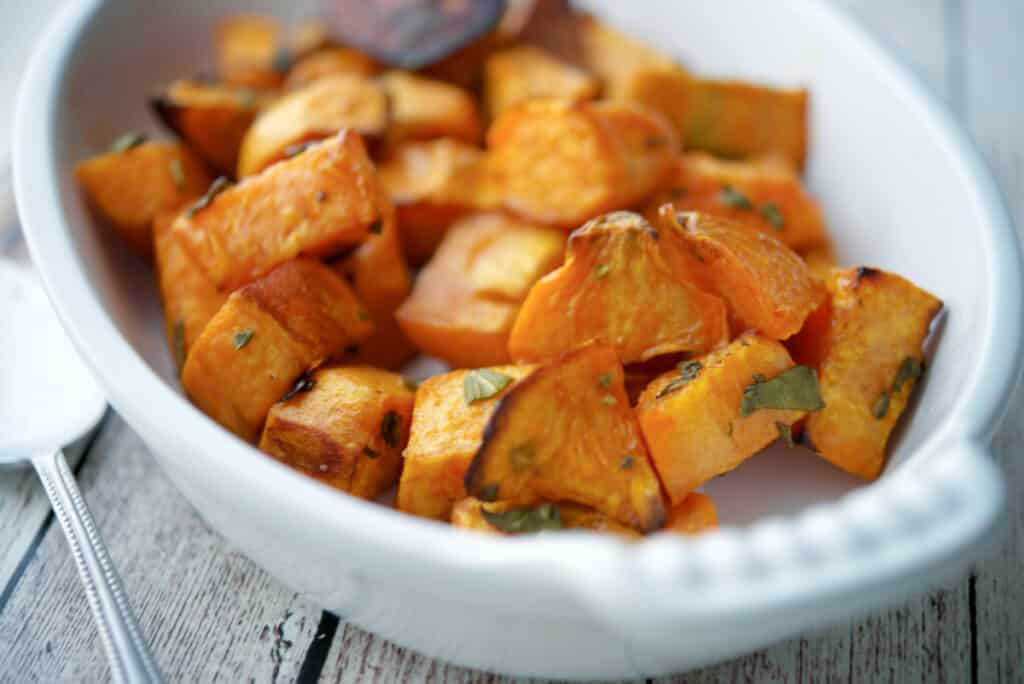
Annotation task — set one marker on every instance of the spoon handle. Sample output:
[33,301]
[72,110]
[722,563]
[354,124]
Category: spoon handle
[130,659]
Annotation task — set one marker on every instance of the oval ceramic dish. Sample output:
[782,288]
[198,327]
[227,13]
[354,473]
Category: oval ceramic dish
[802,544]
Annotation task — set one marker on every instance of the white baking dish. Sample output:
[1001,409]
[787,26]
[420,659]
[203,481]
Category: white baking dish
[903,189]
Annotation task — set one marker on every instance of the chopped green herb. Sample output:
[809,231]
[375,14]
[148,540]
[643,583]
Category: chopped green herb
[609,400]
[303,384]
[127,141]
[728,429]
[910,369]
[177,173]
[525,520]
[242,338]
[391,429]
[627,462]
[377,227]
[217,187]
[795,389]
[488,493]
[370,453]
[410,384]
[736,199]
[688,372]
[298,148]
[881,405]
[773,215]
[602,270]
[363,315]
[653,141]
[604,381]
[785,432]
[483,384]
[282,61]
[759,377]
[677,193]
[247,98]
[522,455]
[179,344]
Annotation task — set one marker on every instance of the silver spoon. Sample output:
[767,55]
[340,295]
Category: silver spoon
[47,400]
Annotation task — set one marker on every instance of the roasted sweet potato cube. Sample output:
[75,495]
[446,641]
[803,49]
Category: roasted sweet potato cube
[318,111]
[446,432]
[715,412]
[568,433]
[766,284]
[130,187]
[422,108]
[211,119]
[693,515]
[766,195]
[502,517]
[617,58]
[189,299]
[593,298]
[265,337]
[525,72]
[433,184]
[871,357]
[651,146]
[315,204]
[348,430]
[467,298]
[248,48]
[329,61]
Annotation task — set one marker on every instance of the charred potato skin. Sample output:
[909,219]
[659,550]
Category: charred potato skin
[878,322]
[344,431]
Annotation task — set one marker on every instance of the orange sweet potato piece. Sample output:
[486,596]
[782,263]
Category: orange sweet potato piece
[264,337]
[695,514]
[694,419]
[211,119]
[132,186]
[568,433]
[446,432]
[502,517]
[526,72]
[467,298]
[189,299]
[765,283]
[248,51]
[422,108]
[433,184]
[312,113]
[314,204]
[329,61]
[766,195]
[562,163]
[593,297]
[347,431]
[617,58]
[871,357]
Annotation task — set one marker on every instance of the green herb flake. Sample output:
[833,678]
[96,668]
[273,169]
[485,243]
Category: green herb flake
[127,141]
[688,372]
[177,170]
[370,453]
[483,384]
[602,270]
[910,369]
[736,199]
[410,384]
[179,344]
[785,432]
[377,227]
[242,338]
[677,193]
[363,315]
[546,517]
[773,215]
[217,187]
[391,429]
[729,429]
[247,98]
[627,462]
[282,61]
[609,400]
[298,148]
[303,384]
[881,406]
[604,381]
[654,141]
[795,389]
[522,456]
[488,493]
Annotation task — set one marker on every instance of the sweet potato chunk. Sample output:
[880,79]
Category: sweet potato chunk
[695,514]
[502,517]
[422,108]
[348,430]
[467,298]
[265,337]
[707,417]
[871,357]
[131,187]
[766,195]
[248,51]
[618,59]
[765,283]
[329,61]
[212,119]
[567,433]
[593,298]
[189,299]
[446,432]
[314,204]
[315,112]
[562,163]
[525,72]
[433,184]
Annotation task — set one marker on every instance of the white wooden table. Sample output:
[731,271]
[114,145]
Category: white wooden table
[212,615]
